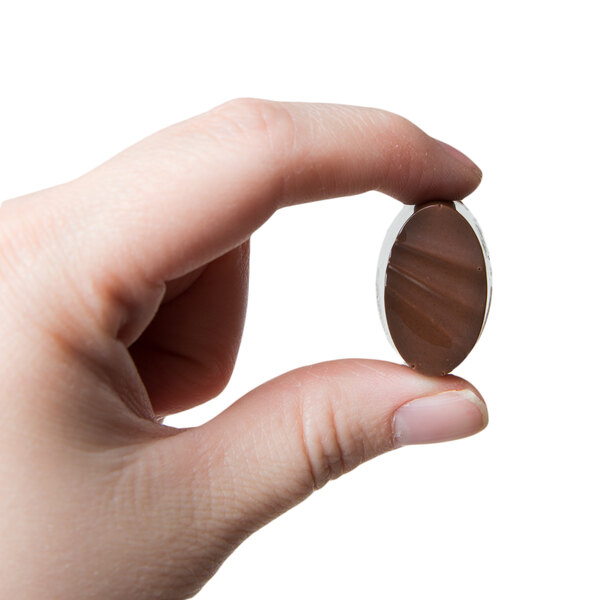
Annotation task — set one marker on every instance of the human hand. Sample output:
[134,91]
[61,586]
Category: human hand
[122,300]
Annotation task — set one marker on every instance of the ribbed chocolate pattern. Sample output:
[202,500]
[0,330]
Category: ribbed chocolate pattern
[436,289]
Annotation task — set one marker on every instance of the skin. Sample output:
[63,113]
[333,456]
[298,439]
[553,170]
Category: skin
[122,300]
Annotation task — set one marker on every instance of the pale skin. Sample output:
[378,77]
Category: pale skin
[122,300]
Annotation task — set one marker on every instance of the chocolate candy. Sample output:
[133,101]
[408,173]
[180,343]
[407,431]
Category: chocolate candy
[434,285]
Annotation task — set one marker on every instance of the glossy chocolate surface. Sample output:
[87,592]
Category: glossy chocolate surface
[436,288]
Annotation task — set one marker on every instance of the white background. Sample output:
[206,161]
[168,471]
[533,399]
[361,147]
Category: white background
[510,513]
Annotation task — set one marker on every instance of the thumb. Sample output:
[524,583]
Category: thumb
[288,437]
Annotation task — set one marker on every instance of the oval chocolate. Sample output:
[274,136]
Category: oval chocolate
[434,285]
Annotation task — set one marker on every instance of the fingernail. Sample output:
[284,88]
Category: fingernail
[439,418]
[458,155]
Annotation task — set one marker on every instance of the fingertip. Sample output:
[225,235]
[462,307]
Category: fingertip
[442,417]
[467,172]
[461,158]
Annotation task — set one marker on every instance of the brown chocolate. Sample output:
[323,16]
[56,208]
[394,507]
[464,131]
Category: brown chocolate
[436,288]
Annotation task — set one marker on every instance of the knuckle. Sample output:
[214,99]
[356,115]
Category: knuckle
[39,264]
[258,121]
[330,445]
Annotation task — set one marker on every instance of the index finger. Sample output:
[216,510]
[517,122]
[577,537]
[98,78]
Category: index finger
[190,193]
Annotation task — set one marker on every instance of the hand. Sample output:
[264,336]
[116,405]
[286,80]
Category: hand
[122,300]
